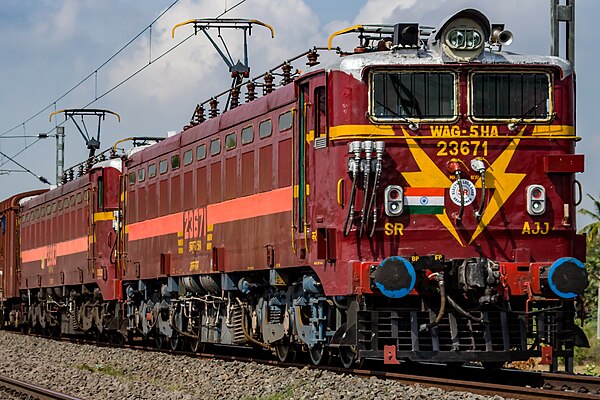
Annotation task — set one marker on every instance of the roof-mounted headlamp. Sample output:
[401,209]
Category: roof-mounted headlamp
[462,37]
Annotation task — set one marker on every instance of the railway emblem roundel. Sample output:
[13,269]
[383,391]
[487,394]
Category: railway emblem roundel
[468,189]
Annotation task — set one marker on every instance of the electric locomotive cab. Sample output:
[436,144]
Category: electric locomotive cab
[455,172]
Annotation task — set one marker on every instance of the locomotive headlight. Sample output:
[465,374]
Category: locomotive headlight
[464,39]
[455,39]
[536,199]
[393,200]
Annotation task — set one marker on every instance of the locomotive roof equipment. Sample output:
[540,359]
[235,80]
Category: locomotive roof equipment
[92,143]
[237,70]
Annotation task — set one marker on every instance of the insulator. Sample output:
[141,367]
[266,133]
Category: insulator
[64,178]
[80,170]
[287,74]
[268,88]
[199,116]
[71,174]
[101,157]
[250,91]
[235,97]
[214,111]
[312,58]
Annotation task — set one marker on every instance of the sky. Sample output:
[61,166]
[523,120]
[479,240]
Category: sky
[49,46]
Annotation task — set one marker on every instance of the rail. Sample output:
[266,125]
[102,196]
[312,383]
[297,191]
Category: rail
[15,386]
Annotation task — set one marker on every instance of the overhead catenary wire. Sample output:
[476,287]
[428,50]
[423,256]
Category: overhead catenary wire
[39,177]
[20,151]
[95,74]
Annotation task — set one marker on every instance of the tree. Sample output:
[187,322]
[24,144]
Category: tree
[592,229]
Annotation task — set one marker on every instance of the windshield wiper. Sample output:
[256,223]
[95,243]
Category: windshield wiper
[413,126]
[513,125]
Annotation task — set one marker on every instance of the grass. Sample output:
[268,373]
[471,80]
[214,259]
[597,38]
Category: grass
[101,368]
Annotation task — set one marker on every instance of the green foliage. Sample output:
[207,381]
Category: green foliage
[590,369]
[101,368]
[587,357]
[591,357]
[593,229]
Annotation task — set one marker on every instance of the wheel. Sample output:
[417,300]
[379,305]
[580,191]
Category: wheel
[347,356]
[159,340]
[117,338]
[318,355]
[99,337]
[174,341]
[285,352]
[196,345]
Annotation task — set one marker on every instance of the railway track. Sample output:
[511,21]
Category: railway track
[509,383]
[25,390]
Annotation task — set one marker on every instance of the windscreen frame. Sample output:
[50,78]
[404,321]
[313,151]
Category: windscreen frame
[407,119]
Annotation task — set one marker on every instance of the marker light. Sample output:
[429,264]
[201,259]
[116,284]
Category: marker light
[393,200]
[536,199]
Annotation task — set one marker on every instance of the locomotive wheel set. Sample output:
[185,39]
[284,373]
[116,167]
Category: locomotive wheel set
[413,200]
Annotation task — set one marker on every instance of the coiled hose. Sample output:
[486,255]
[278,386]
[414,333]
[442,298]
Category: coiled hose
[372,205]
[440,280]
[464,312]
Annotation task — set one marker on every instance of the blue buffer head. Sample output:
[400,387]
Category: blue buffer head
[567,277]
[395,277]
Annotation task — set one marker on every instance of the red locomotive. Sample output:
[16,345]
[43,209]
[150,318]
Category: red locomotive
[412,200]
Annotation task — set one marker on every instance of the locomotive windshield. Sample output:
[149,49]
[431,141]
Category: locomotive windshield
[511,95]
[423,95]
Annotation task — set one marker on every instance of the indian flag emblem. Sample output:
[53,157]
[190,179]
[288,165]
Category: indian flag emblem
[424,200]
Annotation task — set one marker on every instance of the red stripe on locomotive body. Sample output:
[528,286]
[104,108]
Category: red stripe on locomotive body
[261,204]
[272,202]
[160,226]
[79,245]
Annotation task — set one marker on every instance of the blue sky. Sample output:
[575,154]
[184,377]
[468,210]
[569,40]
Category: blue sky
[48,46]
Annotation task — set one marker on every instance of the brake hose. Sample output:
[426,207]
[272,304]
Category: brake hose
[463,311]
[479,212]
[350,214]
[372,207]
[462,197]
[372,201]
[440,280]
[353,168]
[368,147]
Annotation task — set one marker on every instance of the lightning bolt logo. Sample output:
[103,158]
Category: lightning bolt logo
[429,176]
[503,183]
